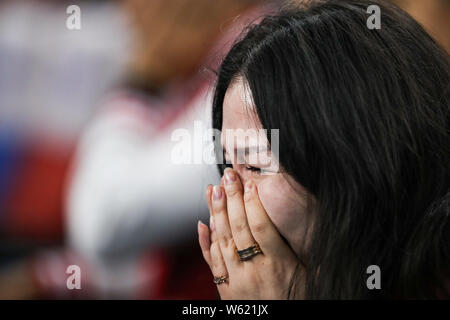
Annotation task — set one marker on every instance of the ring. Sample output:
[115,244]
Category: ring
[250,252]
[221,279]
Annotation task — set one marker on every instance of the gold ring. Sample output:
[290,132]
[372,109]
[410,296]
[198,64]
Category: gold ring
[250,252]
[220,280]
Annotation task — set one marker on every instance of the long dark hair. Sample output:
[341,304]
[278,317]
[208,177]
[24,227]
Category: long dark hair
[363,118]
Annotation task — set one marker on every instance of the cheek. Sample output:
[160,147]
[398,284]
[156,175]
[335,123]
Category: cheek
[281,209]
[287,210]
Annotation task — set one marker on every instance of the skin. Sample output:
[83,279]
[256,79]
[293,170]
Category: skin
[272,208]
[285,201]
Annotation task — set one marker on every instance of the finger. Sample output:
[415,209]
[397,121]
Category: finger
[208,197]
[217,263]
[212,228]
[204,241]
[222,227]
[262,228]
[212,233]
[236,210]
[217,266]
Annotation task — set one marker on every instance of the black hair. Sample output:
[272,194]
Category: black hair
[363,119]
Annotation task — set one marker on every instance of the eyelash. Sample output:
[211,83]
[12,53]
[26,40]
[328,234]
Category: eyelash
[247,167]
[253,169]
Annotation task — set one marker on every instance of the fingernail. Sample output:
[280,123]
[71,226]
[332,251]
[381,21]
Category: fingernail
[248,186]
[230,177]
[199,223]
[217,193]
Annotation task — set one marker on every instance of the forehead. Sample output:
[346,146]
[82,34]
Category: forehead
[238,109]
[240,125]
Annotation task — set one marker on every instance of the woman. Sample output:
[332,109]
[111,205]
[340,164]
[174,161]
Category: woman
[364,155]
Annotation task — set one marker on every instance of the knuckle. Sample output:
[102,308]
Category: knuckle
[247,197]
[232,191]
[216,264]
[259,228]
[271,264]
[240,226]
[219,209]
[224,241]
[214,249]
[231,245]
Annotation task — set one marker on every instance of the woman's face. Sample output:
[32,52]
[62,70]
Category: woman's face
[284,199]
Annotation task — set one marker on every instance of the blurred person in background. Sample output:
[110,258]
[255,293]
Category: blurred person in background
[51,79]
[433,15]
[132,211]
[50,89]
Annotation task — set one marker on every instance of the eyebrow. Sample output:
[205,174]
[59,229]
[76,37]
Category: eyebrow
[248,150]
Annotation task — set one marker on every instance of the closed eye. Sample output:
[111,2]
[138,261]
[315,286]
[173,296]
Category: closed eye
[253,169]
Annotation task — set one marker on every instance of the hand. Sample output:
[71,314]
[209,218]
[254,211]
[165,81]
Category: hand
[238,220]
